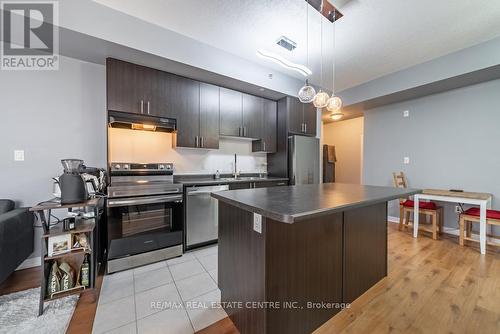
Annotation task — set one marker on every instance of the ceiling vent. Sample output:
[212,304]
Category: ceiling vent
[286,43]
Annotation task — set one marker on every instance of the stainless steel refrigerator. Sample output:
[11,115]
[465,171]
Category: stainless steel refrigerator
[303,164]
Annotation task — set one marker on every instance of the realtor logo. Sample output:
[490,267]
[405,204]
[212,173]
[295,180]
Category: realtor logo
[29,35]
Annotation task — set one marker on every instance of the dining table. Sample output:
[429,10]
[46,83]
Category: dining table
[483,200]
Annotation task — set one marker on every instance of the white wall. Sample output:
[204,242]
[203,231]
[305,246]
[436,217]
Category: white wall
[50,115]
[347,136]
[143,146]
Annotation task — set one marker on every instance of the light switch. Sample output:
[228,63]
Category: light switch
[257,223]
[406,113]
[18,155]
[406,160]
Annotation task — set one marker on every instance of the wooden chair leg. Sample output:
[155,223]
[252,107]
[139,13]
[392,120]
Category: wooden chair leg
[407,217]
[461,231]
[434,225]
[468,229]
[441,220]
[401,217]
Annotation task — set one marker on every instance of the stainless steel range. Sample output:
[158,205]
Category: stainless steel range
[145,215]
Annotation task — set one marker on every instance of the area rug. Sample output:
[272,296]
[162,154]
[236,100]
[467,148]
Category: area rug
[19,313]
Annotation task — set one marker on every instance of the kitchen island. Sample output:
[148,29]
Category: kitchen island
[290,258]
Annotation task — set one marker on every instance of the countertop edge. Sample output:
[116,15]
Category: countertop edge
[215,181]
[290,219]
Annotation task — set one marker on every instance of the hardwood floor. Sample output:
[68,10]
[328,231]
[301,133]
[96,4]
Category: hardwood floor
[432,287]
[83,317]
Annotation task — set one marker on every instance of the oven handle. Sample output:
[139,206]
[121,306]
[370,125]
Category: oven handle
[145,200]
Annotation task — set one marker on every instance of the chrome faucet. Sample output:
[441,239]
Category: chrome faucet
[235,174]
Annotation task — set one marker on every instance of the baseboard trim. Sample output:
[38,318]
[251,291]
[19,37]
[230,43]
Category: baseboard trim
[446,230]
[30,263]
[393,219]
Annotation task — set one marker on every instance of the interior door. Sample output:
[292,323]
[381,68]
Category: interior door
[209,115]
[185,101]
[230,112]
[252,116]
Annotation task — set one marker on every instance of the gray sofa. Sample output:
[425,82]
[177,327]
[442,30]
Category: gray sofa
[16,237]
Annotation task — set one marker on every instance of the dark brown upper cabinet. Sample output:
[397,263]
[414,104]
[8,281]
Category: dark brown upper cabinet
[203,111]
[137,89]
[196,108]
[267,143]
[230,112]
[253,112]
[122,92]
[185,102]
[209,116]
[301,117]
[240,114]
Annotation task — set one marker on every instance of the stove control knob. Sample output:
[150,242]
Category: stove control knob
[117,166]
[161,166]
[125,166]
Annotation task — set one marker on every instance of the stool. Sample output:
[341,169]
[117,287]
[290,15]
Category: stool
[470,217]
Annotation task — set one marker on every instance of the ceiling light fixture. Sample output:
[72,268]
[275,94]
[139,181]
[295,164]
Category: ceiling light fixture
[334,104]
[336,116]
[307,92]
[284,62]
[320,100]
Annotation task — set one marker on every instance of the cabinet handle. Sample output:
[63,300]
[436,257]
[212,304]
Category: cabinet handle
[264,145]
[148,107]
[196,141]
[202,141]
[305,127]
[142,106]
[239,131]
[244,131]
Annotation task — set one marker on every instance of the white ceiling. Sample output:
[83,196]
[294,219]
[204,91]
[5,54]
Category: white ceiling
[374,38]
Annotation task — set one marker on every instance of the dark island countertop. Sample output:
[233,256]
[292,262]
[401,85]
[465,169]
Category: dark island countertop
[295,203]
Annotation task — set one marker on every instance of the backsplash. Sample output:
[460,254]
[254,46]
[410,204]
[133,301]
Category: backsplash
[143,146]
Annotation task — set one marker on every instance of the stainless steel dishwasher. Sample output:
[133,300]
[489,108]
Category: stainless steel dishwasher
[201,215]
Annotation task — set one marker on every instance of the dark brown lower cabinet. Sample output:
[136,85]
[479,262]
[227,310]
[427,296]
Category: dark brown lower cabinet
[240,185]
[292,278]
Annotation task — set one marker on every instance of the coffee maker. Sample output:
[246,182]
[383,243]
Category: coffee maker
[71,182]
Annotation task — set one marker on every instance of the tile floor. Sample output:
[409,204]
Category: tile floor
[174,296]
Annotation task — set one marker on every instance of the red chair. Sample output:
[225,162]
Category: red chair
[406,209]
[471,216]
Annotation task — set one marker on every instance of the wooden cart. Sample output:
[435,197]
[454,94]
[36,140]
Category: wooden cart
[74,258]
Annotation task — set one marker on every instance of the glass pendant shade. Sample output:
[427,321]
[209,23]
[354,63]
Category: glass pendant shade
[320,99]
[307,93]
[334,104]
[336,116]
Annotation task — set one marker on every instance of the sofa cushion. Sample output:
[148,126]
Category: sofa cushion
[490,214]
[422,205]
[6,205]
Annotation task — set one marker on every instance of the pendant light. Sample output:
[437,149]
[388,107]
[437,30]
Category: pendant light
[320,100]
[307,92]
[336,115]
[334,104]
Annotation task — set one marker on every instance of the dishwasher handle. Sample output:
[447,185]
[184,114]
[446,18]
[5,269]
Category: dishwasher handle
[191,191]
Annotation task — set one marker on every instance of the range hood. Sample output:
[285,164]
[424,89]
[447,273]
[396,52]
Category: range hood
[141,122]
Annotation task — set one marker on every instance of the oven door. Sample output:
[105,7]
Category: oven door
[142,224]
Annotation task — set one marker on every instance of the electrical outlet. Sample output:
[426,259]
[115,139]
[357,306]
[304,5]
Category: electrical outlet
[257,223]
[18,155]
[406,113]
[458,209]
[406,160]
